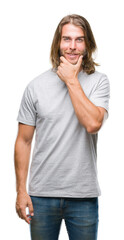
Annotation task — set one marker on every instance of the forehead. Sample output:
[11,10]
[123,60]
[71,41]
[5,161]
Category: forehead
[72,30]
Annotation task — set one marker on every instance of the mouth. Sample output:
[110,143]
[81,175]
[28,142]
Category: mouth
[72,55]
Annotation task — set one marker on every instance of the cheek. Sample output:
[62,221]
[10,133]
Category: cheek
[81,47]
[63,46]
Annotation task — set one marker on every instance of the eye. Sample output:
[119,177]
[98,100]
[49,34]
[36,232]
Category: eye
[66,39]
[80,40]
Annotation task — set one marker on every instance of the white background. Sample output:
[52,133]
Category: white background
[27,28]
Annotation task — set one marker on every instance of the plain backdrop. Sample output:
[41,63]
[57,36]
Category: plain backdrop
[27,28]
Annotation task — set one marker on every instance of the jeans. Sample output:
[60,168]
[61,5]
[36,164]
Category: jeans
[80,216]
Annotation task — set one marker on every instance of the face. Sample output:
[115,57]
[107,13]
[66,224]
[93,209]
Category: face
[72,43]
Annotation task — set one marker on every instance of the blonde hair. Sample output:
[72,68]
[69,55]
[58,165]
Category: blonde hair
[88,63]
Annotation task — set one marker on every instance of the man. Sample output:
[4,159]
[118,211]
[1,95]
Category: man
[67,106]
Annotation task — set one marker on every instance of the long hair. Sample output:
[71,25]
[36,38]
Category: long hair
[88,63]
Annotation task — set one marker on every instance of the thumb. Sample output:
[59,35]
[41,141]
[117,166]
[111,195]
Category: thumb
[31,210]
[79,60]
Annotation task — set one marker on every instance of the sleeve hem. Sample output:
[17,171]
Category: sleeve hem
[26,122]
[103,106]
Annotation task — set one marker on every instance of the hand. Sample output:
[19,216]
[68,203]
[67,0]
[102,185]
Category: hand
[23,200]
[67,71]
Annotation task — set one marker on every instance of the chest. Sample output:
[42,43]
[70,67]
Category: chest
[53,99]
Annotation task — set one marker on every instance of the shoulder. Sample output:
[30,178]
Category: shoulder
[40,79]
[97,77]
[101,78]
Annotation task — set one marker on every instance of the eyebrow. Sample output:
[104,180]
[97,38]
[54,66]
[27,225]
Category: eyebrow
[70,37]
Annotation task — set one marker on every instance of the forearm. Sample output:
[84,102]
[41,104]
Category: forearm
[87,113]
[21,160]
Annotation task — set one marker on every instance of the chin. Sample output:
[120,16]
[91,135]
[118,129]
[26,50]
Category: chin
[73,62]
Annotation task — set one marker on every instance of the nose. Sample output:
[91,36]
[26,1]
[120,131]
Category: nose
[72,44]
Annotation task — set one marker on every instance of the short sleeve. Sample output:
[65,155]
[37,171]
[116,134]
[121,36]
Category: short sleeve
[101,95]
[27,111]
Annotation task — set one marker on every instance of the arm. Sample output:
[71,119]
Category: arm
[89,115]
[21,161]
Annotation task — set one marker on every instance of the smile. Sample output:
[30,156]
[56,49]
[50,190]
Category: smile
[72,55]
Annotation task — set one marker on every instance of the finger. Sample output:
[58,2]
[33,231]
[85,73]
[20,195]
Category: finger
[63,59]
[29,216]
[58,73]
[25,217]
[31,209]
[59,67]
[61,64]
[20,213]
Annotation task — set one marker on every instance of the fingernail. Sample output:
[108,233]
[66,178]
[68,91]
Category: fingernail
[32,214]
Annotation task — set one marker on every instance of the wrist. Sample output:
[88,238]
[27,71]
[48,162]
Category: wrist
[21,190]
[73,81]
[22,193]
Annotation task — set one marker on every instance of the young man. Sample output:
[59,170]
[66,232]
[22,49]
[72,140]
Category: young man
[67,106]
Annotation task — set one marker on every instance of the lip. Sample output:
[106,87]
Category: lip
[72,55]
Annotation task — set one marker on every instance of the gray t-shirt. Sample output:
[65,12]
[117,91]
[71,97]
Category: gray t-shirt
[64,160]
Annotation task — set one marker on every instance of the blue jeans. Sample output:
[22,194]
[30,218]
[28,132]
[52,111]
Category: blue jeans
[80,215]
